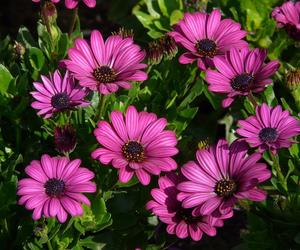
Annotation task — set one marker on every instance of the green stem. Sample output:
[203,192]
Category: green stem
[278,170]
[49,245]
[73,21]
[100,107]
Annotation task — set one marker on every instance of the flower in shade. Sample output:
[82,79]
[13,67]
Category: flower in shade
[220,176]
[240,72]
[206,36]
[136,144]
[288,16]
[54,187]
[65,139]
[179,220]
[71,4]
[53,1]
[271,128]
[106,66]
[57,94]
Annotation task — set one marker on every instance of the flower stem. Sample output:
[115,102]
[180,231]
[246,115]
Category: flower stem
[73,21]
[49,245]
[252,99]
[100,107]
[278,170]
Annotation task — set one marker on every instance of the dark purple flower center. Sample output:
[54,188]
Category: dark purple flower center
[225,188]
[54,187]
[186,215]
[242,82]
[206,48]
[133,151]
[60,101]
[268,135]
[104,74]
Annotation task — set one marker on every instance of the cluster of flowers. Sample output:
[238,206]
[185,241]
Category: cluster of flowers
[198,198]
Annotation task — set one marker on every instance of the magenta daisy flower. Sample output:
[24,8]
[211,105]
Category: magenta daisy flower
[57,94]
[240,72]
[288,16]
[106,66]
[179,220]
[71,4]
[205,36]
[55,186]
[136,144]
[271,128]
[220,176]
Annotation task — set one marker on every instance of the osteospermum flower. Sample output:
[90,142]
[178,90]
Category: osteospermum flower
[71,4]
[206,36]
[57,94]
[54,187]
[179,220]
[106,66]
[271,128]
[220,176]
[288,16]
[240,72]
[136,144]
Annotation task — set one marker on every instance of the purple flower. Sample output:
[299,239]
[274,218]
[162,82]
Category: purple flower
[179,220]
[106,66]
[136,144]
[220,176]
[57,94]
[288,16]
[205,36]
[53,1]
[271,128]
[71,4]
[55,187]
[240,72]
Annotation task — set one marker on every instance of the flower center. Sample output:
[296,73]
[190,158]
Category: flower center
[54,187]
[206,47]
[133,151]
[242,82]
[60,101]
[104,74]
[225,188]
[268,135]
[186,215]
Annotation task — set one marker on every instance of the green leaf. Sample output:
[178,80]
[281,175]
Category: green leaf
[175,17]
[26,38]
[5,78]
[36,58]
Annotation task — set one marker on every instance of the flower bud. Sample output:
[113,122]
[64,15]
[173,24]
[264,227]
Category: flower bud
[293,79]
[154,52]
[19,49]
[65,139]
[168,46]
